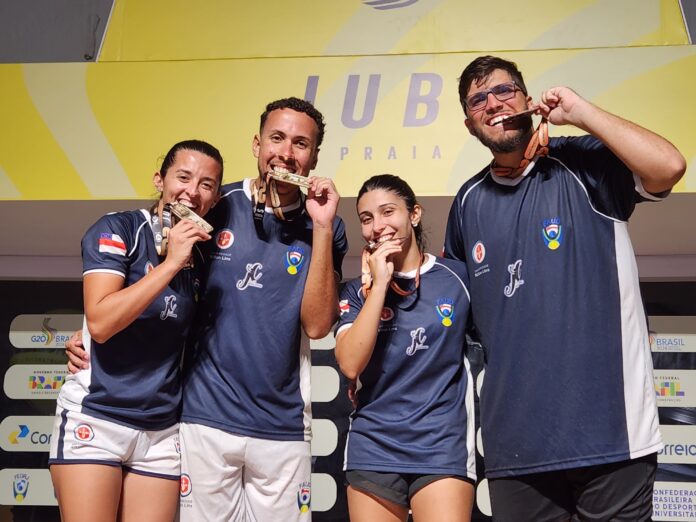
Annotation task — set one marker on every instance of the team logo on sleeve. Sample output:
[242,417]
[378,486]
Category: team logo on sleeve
[304,497]
[343,307]
[111,244]
[478,252]
[552,232]
[20,486]
[294,259]
[515,271]
[224,239]
[83,432]
[445,309]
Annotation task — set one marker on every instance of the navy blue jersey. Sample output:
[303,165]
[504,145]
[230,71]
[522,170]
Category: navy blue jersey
[415,396]
[556,302]
[249,376]
[134,377]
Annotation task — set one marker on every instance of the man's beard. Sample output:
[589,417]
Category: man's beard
[511,142]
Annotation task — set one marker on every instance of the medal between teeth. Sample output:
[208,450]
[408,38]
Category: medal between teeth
[290,177]
[183,212]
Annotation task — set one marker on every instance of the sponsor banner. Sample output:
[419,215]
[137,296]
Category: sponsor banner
[674,501]
[324,437]
[28,381]
[680,343]
[675,388]
[26,433]
[26,487]
[325,383]
[323,492]
[43,331]
[224,30]
[396,114]
[325,343]
[680,445]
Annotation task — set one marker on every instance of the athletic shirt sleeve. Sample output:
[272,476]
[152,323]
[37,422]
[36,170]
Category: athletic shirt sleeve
[610,184]
[340,246]
[105,246]
[454,244]
[349,305]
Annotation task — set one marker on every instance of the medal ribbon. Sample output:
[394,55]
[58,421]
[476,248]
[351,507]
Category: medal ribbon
[160,229]
[538,146]
[366,277]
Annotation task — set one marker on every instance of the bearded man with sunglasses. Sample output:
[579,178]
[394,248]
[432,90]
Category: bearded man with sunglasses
[568,414]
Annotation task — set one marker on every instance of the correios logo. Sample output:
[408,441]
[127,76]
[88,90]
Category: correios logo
[18,434]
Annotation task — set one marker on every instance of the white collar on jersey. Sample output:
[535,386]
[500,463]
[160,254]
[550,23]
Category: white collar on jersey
[511,182]
[411,274]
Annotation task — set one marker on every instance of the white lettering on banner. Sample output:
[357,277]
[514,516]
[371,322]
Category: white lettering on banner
[674,501]
[26,487]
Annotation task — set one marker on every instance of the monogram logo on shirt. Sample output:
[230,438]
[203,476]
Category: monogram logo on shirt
[516,280]
[418,339]
[253,274]
[169,307]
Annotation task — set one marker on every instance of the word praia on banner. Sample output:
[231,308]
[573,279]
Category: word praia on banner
[393,152]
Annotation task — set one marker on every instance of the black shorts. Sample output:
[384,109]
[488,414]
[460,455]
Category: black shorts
[620,491]
[395,487]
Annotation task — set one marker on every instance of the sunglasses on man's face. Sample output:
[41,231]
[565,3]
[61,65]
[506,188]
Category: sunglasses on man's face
[502,91]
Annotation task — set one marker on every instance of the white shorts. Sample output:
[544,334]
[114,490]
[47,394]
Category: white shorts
[79,438]
[232,477]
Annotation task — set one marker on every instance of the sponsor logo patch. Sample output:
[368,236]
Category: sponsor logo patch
[445,310]
[294,259]
[83,432]
[304,497]
[552,232]
[224,239]
[185,485]
[478,252]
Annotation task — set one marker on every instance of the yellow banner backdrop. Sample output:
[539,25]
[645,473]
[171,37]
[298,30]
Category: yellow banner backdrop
[95,131]
[218,29]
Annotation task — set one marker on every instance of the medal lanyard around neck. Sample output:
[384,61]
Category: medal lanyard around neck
[366,277]
[260,191]
[538,146]
[160,229]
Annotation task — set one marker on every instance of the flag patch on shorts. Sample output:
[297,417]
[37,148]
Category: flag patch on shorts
[112,244]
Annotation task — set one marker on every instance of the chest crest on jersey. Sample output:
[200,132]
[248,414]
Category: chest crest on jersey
[445,311]
[294,259]
[552,233]
[169,308]
[515,271]
[418,340]
[252,276]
